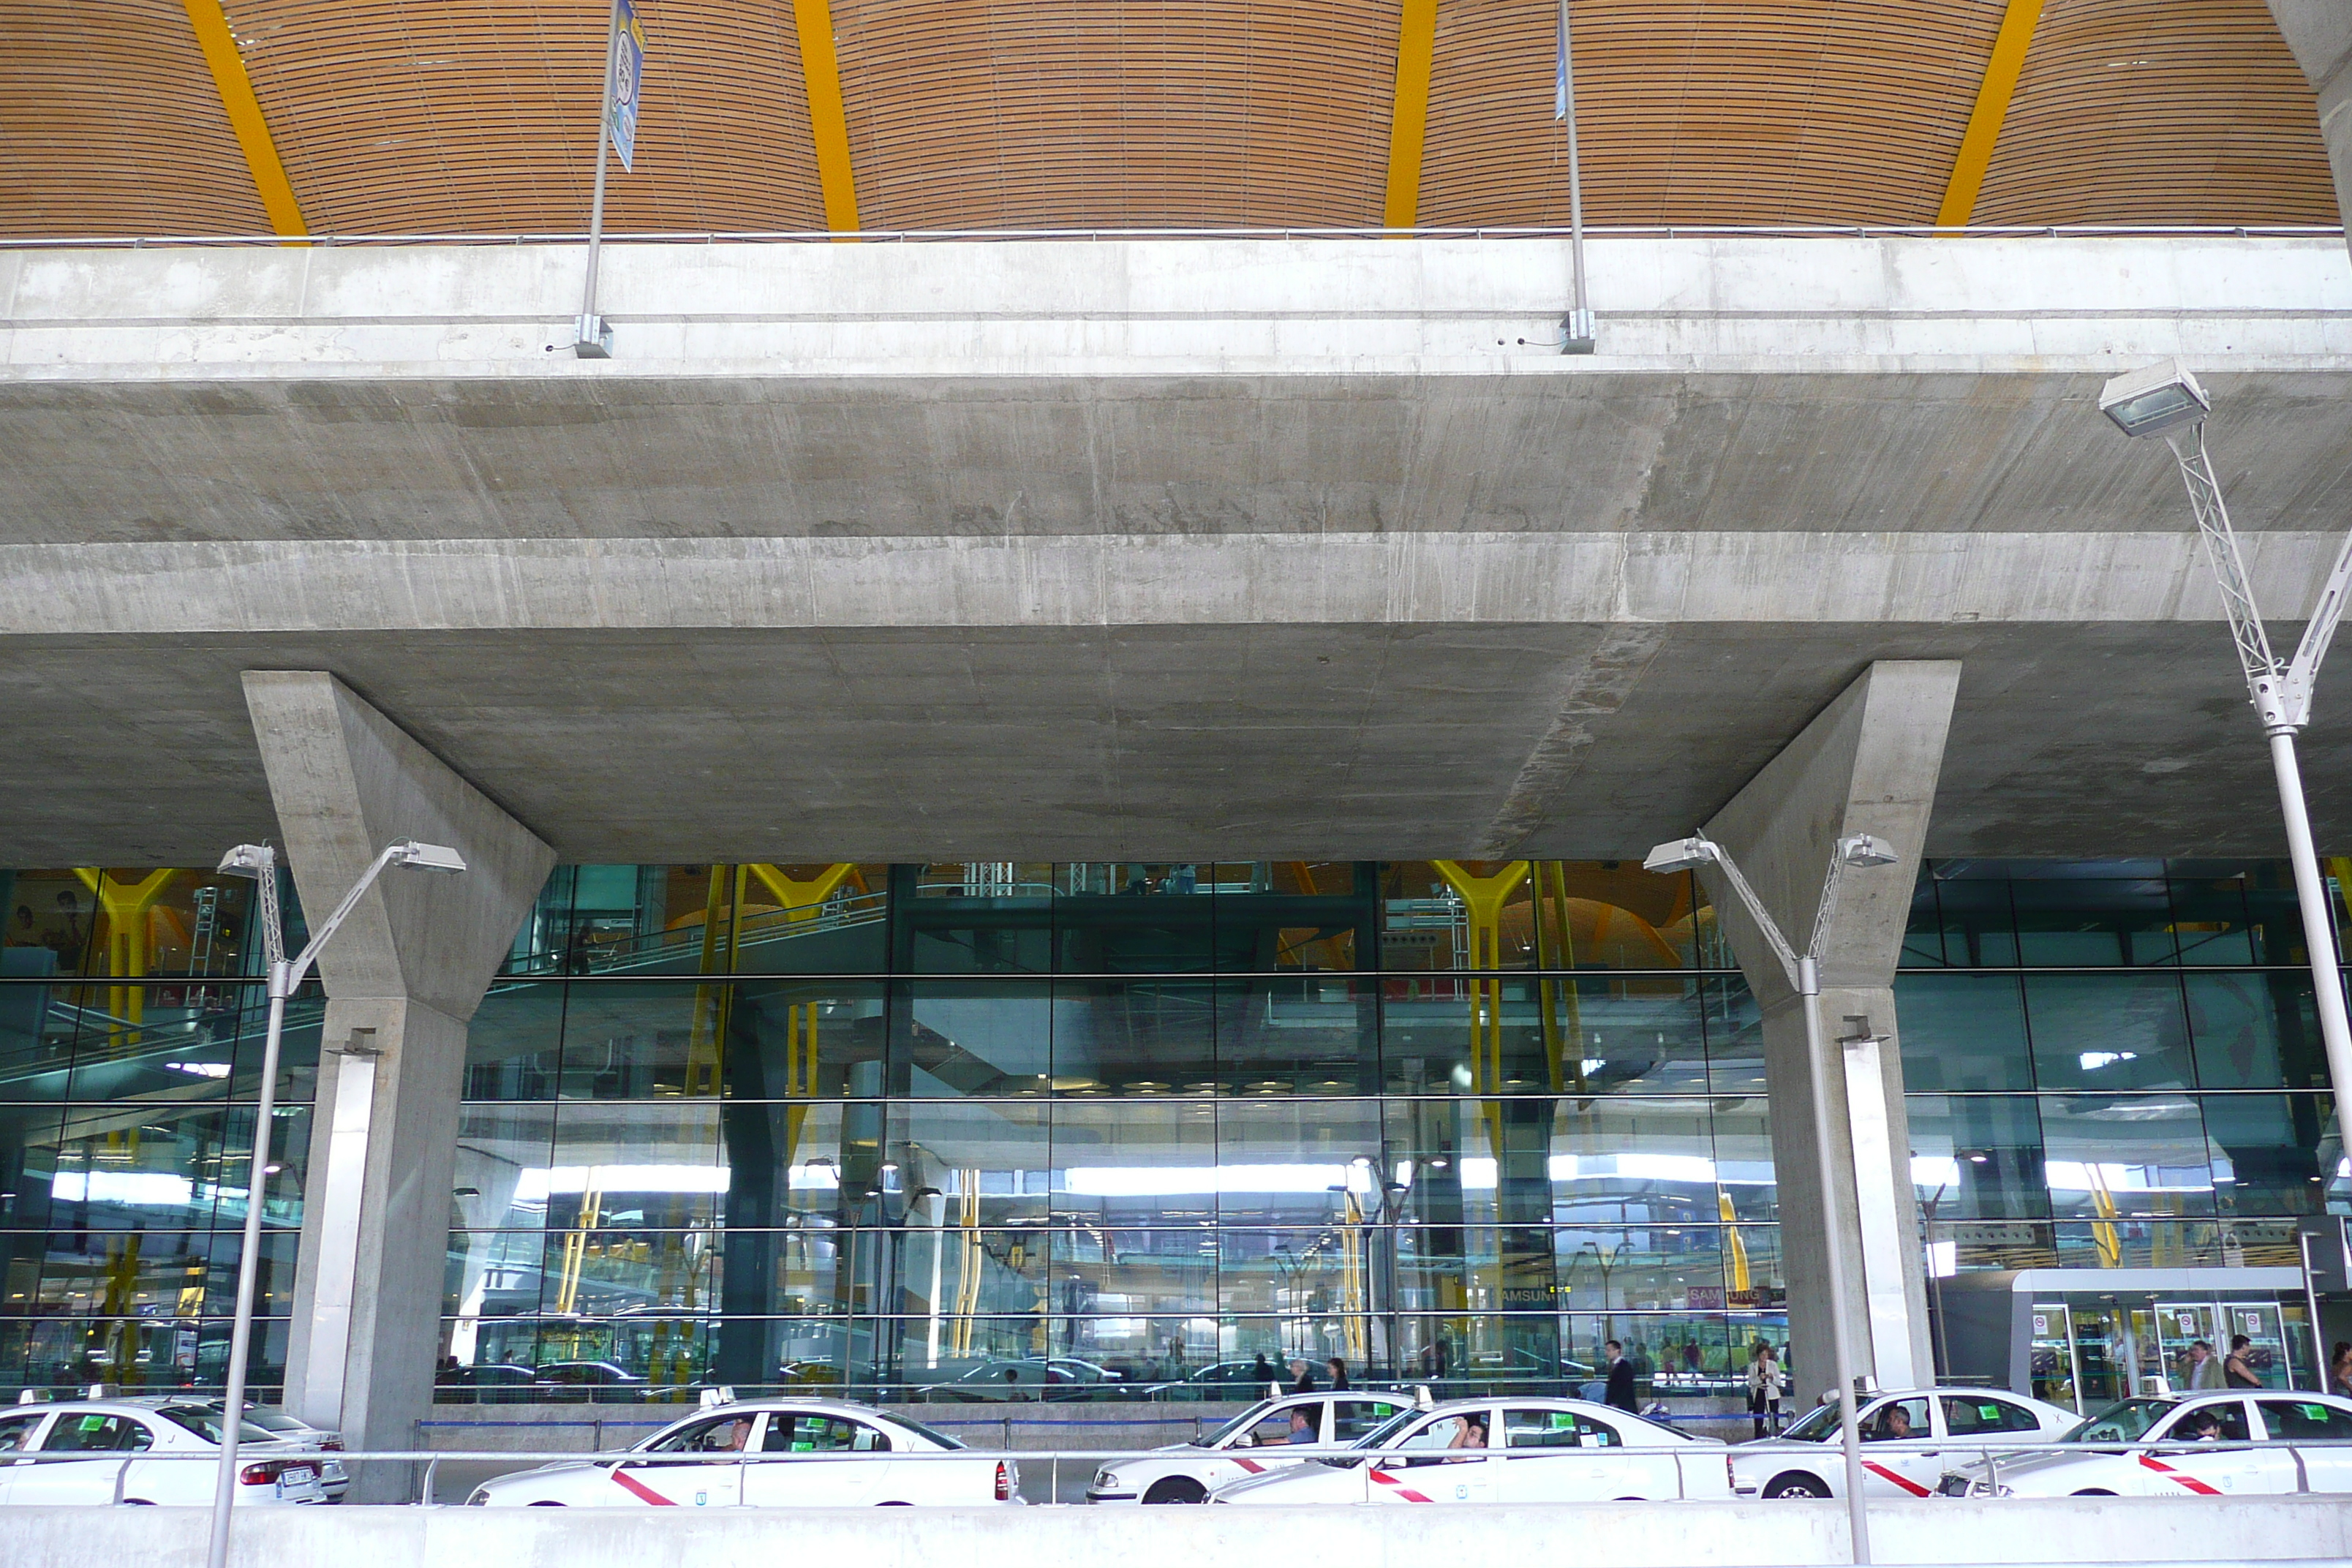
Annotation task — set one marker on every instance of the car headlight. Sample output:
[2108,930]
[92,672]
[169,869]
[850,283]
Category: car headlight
[480,1499]
[1106,1479]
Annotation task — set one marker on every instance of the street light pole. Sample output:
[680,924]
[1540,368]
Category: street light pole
[2165,400]
[1804,975]
[259,861]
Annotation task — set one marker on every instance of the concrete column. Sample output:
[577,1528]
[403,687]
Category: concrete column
[403,975]
[1867,765]
[2319,32]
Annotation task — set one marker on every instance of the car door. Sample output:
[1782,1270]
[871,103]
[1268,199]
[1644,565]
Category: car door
[19,1430]
[2321,1435]
[696,1466]
[1977,1423]
[106,1441]
[1565,1456]
[842,1482]
[1900,1454]
[1429,1464]
[2230,1465]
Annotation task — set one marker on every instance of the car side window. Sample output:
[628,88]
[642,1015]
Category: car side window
[1557,1429]
[1352,1419]
[2223,1421]
[1275,1429]
[94,1433]
[2305,1421]
[720,1436]
[823,1435]
[16,1431]
[1968,1416]
[1448,1439]
[1897,1420]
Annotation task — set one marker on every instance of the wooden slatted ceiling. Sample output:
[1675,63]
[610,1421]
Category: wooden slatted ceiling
[480,115]
[2186,112]
[110,125]
[1705,111]
[1070,114]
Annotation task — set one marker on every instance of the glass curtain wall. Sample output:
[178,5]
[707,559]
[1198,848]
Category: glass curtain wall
[971,1132]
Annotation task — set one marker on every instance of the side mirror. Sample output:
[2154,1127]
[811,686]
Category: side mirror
[1247,1440]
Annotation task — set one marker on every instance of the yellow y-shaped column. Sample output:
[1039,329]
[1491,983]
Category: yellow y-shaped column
[1483,898]
[125,906]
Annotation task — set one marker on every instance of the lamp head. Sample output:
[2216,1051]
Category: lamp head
[255,861]
[1862,849]
[427,857]
[2150,402]
[1682,855]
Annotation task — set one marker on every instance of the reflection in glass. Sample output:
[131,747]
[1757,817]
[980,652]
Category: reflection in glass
[2108,1032]
[2140,1156]
[1964,1033]
[2256,1031]
[1976,1157]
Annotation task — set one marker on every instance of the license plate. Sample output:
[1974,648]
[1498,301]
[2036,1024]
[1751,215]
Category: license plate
[299,1483]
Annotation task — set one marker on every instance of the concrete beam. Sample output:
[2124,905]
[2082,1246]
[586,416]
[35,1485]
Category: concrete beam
[1868,764]
[2319,32]
[403,977]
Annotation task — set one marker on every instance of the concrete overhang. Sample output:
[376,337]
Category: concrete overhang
[1131,548]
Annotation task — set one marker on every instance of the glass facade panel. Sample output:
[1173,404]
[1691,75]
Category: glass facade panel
[1122,1128]
[2108,1032]
[1963,1034]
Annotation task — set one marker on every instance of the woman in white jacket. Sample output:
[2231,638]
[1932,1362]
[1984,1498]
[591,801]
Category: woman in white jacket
[1763,1387]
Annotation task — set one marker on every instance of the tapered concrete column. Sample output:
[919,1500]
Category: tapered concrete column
[2319,32]
[1867,765]
[403,977]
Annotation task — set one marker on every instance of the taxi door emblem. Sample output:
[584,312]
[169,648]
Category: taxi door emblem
[701,1499]
[1461,1494]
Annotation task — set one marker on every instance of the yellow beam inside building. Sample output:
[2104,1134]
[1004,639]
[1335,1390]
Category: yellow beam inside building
[236,89]
[2009,47]
[828,125]
[1409,121]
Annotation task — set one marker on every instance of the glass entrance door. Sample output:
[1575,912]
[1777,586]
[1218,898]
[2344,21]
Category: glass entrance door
[2181,1324]
[2258,1321]
[2056,1376]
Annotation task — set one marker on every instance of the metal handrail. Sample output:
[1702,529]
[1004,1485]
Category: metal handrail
[913,235]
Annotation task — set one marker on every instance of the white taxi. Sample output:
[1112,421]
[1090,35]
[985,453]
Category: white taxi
[1909,1441]
[1504,1450]
[143,1450]
[2259,1443]
[1250,1444]
[769,1452]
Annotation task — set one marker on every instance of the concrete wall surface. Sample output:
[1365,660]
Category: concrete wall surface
[2148,1532]
[1126,306]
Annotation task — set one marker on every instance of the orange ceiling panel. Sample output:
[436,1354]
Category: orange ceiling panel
[1076,113]
[1767,112]
[109,124]
[480,115]
[2187,111]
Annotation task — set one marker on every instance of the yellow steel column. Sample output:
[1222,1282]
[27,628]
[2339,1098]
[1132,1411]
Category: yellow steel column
[1409,119]
[828,122]
[236,89]
[2008,58]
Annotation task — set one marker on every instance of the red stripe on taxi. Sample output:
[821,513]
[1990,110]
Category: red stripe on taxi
[1398,1487]
[2168,1473]
[1906,1482]
[630,1483]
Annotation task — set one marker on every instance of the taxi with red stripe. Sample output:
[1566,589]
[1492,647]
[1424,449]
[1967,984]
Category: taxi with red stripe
[771,1453]
[1502,1449]
[2242,1442]
[1253,1442]
[1909,1441]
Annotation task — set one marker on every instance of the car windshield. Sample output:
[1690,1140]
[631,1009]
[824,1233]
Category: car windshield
[920,1430]
[1818,1424]
[1235,1427]
[1377,1437]
[2121,1423]
[206,1424]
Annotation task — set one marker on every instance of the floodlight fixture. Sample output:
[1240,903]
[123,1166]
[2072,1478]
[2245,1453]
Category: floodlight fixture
[254,860]
[1682,855]
[426,856]
[1863,849]
[2152,401]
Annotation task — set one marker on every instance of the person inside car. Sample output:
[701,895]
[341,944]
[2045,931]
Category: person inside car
[2201,1426]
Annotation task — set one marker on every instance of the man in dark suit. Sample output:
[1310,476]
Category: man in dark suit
[1620,1380]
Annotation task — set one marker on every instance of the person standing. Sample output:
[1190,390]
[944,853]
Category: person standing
[2238,1367]
[2204,1371]
[1620,1394]
[1303,1374]
[1338,1367]
[2339,1369]
[1763,1388]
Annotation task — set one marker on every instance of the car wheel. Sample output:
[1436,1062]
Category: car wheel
[138,1502]
[1176,1488]
[1797,1486]
[2095,1491]
[544,1502]
[894,1503]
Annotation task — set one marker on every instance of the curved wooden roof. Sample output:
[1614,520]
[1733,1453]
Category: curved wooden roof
[478,115]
